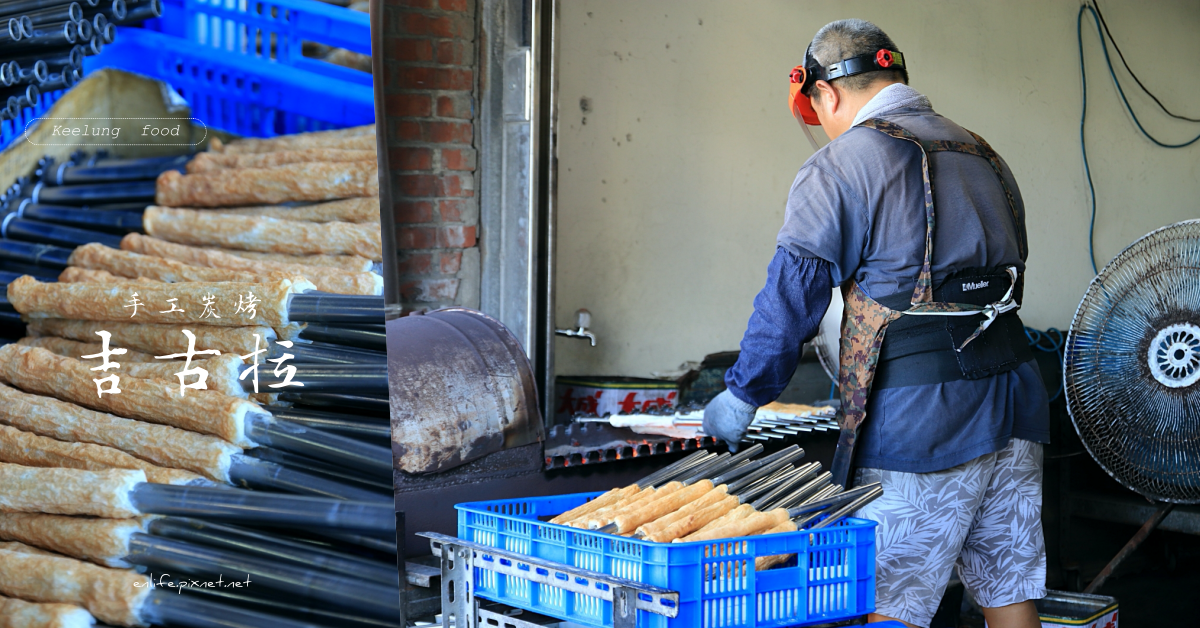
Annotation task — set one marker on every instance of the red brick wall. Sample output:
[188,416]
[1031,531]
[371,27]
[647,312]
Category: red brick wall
[430,94]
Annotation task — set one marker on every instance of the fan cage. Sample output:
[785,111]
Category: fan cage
[1128,362]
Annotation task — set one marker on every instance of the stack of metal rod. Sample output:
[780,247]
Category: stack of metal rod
[776,422]
[289,487]
[44,42]
[708,496]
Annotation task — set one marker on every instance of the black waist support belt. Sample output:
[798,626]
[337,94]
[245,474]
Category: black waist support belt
[920,350]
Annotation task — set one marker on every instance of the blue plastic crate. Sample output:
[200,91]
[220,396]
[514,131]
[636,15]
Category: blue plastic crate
[239,93]
[271,30]
[14,130]
[832,577]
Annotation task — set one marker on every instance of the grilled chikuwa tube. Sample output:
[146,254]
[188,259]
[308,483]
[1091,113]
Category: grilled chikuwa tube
[209,162]
[65,491]
[32,450]
[353,138]
[265,235]
[364,210]
[112,302]
[131,265]
[643,502]
[103,541]
[739,484]
[204,411]
[114,596]
[348,263]
[75,349]
[75,274]
[312,181]
[627,519]
[326,279]
[615,495]
[162,445]
[223,371]
[16,613]
[156,339]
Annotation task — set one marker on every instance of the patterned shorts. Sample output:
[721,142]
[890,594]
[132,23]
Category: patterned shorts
[983,516]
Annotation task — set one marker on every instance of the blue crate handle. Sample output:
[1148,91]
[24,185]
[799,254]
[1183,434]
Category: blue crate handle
[239,93]
[220,24]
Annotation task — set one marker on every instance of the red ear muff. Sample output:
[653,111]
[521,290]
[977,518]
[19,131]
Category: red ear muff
[799,104]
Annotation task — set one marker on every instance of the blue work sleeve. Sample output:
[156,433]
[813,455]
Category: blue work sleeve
[787,314]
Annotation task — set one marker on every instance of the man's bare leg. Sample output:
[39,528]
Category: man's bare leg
[874,617]
[1019,615]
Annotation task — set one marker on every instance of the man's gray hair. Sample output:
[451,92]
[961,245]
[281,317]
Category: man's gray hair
[850,38]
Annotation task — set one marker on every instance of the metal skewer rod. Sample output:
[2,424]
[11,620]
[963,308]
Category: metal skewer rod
[781,460]
[324,353]
[354,426]
[42,255]
[362,336]
[12,227]
[805,491]
[840,498]
[291,606]
[801,474]
[845,511]
[369,403]
[168,608]
[381,485]
[325,308]
[267,546]
[248,507]
[121,221]
[143,11]
[371,598]
[251,472]
[673,468]
[354,454]
[325,378]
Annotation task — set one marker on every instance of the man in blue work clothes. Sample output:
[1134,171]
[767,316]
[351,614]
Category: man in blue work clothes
[921,226]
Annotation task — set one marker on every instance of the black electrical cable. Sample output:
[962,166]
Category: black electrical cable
[1130,70]
[1056,340]
[1083,118]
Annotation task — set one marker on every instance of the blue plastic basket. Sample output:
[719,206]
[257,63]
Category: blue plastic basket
[14,130]
[239,93]
[832,577]
[271,30]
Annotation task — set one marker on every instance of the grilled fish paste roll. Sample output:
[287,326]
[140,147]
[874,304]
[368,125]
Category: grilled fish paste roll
[16,613]
[267,235]
[31,450]
[96,256]
[162,445]
[350,263]
[156,339]
[59,491]
[114,596]
[325,279]
[104,541]
[76,349]
[208,162]
[314,181]
[345,210]
[353,138]
[205,411]
[190,301]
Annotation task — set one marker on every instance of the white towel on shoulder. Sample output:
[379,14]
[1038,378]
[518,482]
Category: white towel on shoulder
[892,98]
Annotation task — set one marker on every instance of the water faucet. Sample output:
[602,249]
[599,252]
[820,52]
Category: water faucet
[583,320]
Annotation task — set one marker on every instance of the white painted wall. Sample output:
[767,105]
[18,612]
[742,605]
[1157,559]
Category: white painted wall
[672,186]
